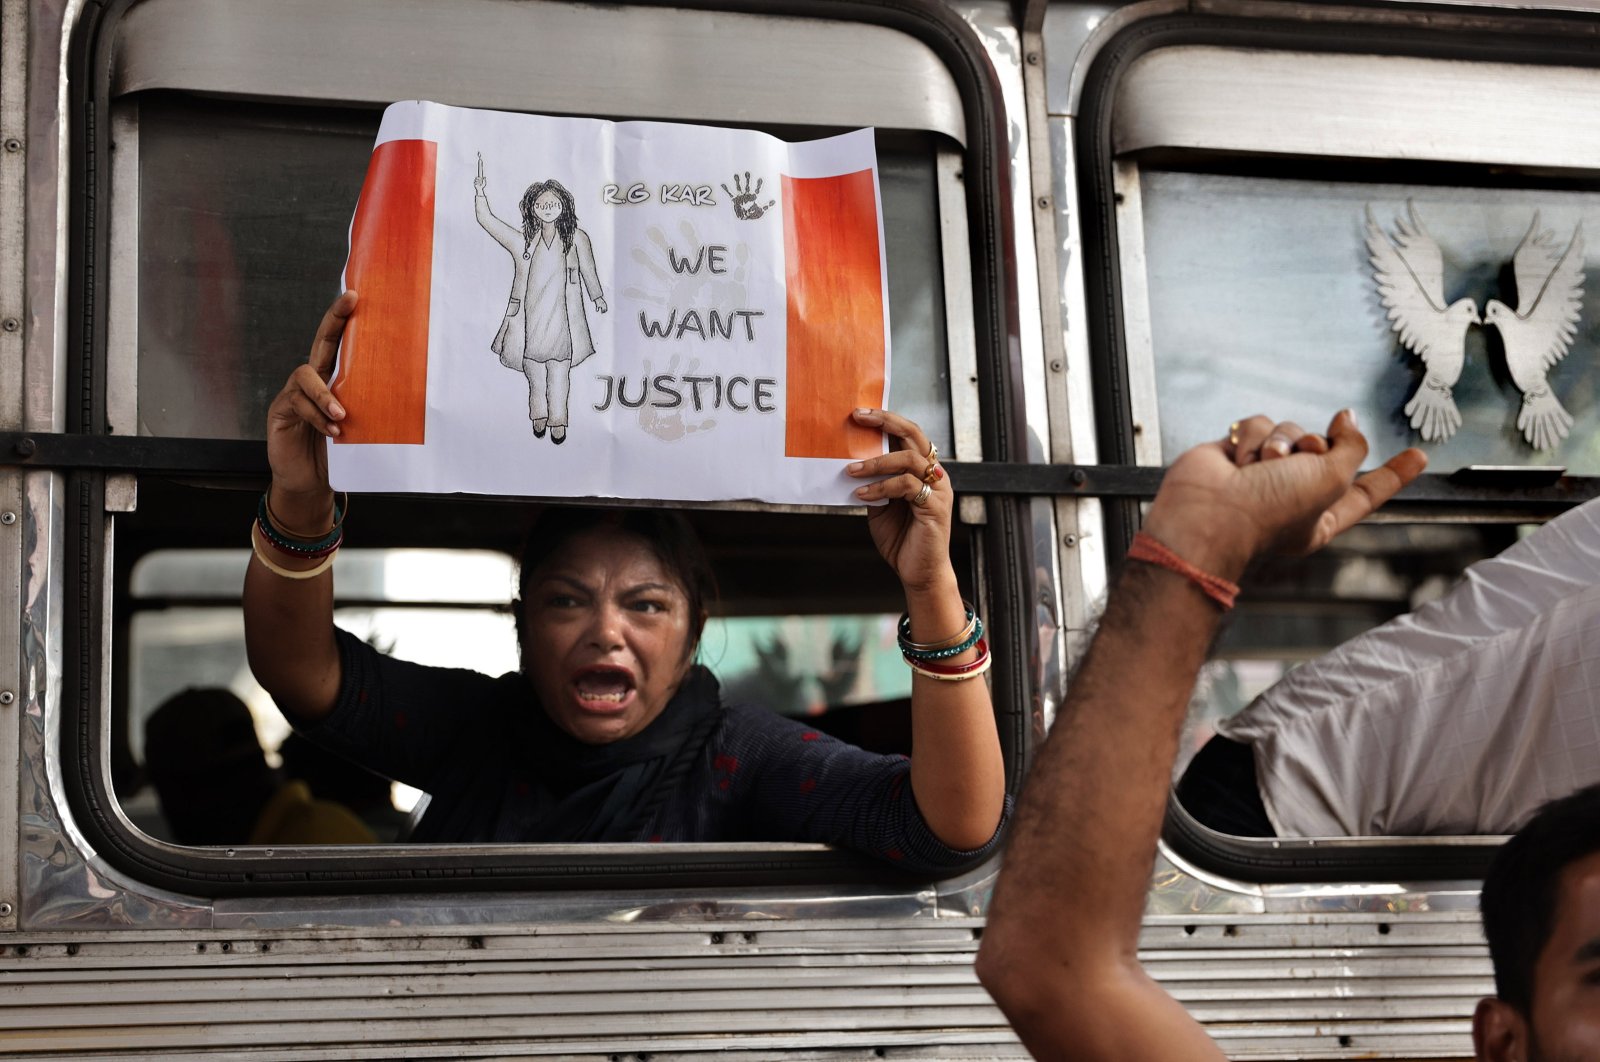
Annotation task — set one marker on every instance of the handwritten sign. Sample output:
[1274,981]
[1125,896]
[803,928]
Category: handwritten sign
[567,307]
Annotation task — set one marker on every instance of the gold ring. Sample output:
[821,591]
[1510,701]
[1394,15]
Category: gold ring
[1233,434]
[933,473]
[922,495]
[933,453]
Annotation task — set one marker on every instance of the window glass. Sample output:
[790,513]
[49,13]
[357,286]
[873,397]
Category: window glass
[244,217]
[1262,297]
[1293,610]
[450,608]
[187,631]
[806,665]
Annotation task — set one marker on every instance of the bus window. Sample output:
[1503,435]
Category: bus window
[1267,283]
[451,608]
[1262,256]
[231,173]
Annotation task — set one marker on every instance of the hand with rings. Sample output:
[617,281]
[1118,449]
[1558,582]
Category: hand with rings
[1260,438]
[1270,487]
[912,531]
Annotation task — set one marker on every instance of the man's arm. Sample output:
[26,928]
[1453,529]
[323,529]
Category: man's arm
[1060,951]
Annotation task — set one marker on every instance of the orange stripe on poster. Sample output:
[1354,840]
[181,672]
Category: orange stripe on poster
[835,279]
[383,362]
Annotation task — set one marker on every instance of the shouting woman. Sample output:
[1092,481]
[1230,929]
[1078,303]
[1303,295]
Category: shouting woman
[610,731]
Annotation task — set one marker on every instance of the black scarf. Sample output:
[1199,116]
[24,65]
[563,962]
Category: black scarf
[572,791]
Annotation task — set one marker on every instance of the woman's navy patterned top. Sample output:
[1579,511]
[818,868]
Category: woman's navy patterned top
[462,737]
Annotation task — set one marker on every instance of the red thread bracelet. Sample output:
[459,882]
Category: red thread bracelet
[1151,550]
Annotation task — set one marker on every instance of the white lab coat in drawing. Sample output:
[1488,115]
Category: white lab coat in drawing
[511,341]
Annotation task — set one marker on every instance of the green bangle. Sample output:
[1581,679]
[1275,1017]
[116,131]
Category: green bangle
[913,651]
[295,543]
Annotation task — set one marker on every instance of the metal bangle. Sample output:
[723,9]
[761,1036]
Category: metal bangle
[904,630]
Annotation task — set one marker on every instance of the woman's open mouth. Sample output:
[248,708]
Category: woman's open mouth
[603,689]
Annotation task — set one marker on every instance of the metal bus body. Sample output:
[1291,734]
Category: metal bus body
[1017,134]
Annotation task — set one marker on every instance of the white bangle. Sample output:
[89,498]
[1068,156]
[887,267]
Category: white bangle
[278,569]
[983,665]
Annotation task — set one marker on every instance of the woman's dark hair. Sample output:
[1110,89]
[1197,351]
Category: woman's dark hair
[670,536]
[566,223]
[1523,885]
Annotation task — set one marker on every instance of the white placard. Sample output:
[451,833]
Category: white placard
[569,307]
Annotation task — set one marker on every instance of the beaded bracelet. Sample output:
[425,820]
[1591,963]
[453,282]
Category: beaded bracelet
[293,542]
[277,569]
[295,549]
[954,672]
[935,668]
[973,634]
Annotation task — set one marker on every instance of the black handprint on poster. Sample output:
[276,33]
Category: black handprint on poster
[743,197]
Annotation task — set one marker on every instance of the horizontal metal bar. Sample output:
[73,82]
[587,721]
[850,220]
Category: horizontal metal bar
[1090,481]
[1427,492]
[134,453]
[227,458]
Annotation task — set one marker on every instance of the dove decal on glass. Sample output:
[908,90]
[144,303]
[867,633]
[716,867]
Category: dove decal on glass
[1538,333]
[1409,270]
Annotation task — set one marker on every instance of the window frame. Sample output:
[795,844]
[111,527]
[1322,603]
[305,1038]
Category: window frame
[1124,375]
[977,187]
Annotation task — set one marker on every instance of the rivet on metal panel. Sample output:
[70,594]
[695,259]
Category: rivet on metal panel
[1069,540]
[8,518]
[25,447]
[1079,477]
[1055,364]
[13,145]
[1033,58]
[12,324]
[7,697]
[1138,429]
[5,910]
[1044,202]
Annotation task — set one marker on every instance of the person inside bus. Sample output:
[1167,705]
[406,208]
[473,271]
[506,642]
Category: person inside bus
[203,757]
[1068,975]
[1462,717]
[368,795]
[610,731]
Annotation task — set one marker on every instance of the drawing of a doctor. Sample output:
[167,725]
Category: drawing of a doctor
[545,333]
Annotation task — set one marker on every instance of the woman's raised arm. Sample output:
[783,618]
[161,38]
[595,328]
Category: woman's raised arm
[288,615]
[506,236]
[957,772]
